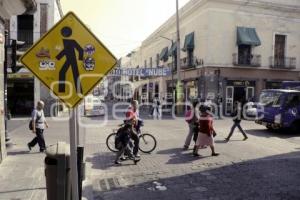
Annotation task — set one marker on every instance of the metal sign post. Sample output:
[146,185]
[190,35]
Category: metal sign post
[77,125]
[73,156]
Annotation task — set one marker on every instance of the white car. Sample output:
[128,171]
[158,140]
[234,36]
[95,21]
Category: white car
[93,106]
[98,108]
[251,110]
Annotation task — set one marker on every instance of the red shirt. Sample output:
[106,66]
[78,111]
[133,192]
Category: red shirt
[206,124]
[131,114]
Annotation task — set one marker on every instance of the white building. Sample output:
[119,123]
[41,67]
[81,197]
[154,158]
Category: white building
[8,8]
[29,28]
[230,48]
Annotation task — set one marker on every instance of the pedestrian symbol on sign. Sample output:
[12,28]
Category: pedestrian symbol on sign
[69,52]
[69,60]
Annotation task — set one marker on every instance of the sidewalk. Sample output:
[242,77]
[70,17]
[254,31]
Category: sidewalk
[21,172]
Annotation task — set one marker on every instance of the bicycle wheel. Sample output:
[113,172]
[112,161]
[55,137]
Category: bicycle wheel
[110,142]
[147,143]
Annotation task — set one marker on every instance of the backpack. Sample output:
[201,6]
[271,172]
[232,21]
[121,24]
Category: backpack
[30,122]
[158,102]
[119,139]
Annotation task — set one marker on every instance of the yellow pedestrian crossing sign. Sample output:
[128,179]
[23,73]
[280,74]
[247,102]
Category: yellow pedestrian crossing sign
[69,60]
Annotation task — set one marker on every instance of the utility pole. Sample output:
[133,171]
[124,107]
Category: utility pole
[5,85]
[172,68]
[178,85]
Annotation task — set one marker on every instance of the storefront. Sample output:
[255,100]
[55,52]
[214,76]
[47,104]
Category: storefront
[242,90]
[170,91]
[20,94]
[273,84]
[191,90]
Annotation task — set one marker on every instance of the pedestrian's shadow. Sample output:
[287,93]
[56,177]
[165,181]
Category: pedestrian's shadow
[101,160]
[170,151]
[179,156]
[15,153]
[226,142]
[282,133]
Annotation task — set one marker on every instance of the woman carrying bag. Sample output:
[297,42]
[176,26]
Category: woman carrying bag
[206,132]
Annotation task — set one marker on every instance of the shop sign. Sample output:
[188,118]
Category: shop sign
[240,83]
[190,84]
[273,84]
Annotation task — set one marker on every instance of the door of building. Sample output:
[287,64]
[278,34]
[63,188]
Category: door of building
[279,53]
[249,93]
[229,100]
[20,96]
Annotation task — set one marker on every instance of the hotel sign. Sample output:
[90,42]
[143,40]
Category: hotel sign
[142,72]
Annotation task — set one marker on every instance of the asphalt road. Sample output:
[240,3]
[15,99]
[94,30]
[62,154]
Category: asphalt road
[263,167]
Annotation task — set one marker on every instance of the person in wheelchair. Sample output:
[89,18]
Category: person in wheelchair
[124,144]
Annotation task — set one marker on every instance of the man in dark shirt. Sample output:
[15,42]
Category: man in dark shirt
[237,118]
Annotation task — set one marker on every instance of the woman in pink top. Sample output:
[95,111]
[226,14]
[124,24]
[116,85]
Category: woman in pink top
[206,131]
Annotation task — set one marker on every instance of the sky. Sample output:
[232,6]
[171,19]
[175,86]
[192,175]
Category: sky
[122,24]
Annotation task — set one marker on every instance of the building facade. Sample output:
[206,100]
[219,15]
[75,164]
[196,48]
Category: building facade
[7,9]
[24,90]
[231,50]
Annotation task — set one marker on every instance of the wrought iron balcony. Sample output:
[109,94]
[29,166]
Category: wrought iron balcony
[172,65]
[190,63]
[27,37]
[283,63]
[251,60]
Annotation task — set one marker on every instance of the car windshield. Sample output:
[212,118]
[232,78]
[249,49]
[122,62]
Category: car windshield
[270,98]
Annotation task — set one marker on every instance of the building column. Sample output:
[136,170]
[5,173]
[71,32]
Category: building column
[260,85]
[37,91]
[2,126]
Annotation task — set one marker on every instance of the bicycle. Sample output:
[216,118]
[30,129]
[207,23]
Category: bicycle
[147,142]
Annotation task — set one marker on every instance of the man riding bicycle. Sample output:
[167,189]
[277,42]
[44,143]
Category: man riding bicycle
[123,143]
[132,116]
[128,132]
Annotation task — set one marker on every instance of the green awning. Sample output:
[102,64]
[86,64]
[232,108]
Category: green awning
[247,36]
[189,42]
[173,49]
[164,54]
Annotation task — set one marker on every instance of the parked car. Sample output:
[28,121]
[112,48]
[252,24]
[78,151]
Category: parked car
[251,111]
[93,106]
[281,109]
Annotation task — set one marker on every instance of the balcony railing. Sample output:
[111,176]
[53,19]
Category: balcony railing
[27,37]
[283,63]
[190,63]
[172,66]
[251,60]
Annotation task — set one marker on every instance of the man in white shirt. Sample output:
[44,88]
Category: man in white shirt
[38,126]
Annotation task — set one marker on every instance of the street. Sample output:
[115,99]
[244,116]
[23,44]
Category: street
[74,73]
[263,167]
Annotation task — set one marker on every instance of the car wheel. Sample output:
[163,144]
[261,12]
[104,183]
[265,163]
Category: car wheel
[295,128]
[270,128]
